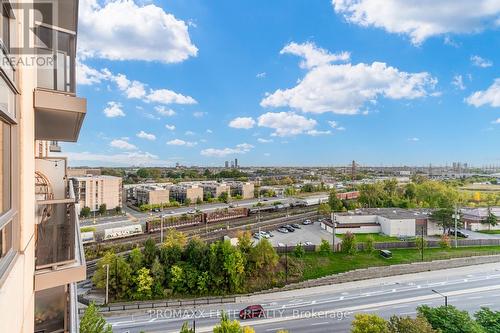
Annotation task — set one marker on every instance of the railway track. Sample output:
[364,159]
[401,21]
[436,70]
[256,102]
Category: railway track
[218,234]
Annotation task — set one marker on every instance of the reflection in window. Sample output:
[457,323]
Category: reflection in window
[5,161]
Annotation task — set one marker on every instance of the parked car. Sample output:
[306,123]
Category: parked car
[257,236]
[281,245]
[171,212]
[308,243]
[191,211]
[307,222]
[252,311]
[459,234]
[283,230]
[289,228]
[295,225]
[386,254]
[156,210]
[264,234]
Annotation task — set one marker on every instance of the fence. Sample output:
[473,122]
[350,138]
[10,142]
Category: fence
[158,304]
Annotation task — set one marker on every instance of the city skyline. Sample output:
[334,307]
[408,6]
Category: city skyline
[225,81]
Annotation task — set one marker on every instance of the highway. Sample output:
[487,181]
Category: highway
[331,308]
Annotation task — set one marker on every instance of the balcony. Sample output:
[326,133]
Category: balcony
[59,113]
[56,310]
[59,256]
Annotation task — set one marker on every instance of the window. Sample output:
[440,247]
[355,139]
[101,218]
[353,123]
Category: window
[5,172]
[5,36]
[5,240]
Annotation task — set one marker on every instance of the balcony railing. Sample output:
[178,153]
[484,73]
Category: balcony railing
[56,310]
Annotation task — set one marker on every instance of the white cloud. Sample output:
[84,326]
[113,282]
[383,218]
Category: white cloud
[480,62]
[242,122]
[189,133]
[165,96]
[490,96]
[496,121]
[121,159]
[122,30]
[261,75]
[335,125]
[267,154]
[421,19]
[147,136]
[162,110]
[199,114]
[345,88]
[458,82]
[413,139]
[209,131]
[318,133]
[132,89]
[170,127]
[313,56]
[286,123]
[179,142]
[113,110]
[242,148]
[86,75]
[122,144]
[261,140]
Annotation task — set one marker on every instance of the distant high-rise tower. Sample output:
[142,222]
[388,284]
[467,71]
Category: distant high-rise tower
[353,170]
[235,162]
[232,164]
[226,164]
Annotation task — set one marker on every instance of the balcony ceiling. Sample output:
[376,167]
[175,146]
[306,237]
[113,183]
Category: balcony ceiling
[58,117]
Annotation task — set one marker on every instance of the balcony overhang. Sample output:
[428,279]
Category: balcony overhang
[58,116]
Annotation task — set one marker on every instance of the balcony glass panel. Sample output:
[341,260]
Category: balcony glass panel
[5,162]
[58,48]
[50,310]
[56,236]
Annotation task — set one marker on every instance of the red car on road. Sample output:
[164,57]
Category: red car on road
[252,311]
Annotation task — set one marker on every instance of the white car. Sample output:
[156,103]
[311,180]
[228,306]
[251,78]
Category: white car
[308,243]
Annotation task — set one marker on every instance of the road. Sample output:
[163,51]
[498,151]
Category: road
[331,308]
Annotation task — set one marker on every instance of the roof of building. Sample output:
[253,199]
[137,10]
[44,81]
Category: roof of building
[391,213]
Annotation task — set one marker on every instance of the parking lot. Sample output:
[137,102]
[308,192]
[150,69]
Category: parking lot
[307,233]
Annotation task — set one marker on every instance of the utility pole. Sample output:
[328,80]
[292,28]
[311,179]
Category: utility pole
[107,283]
[422,244]
[194,320]
[286,263]
[456,216]
[332,216]
[161,228]
[444,296]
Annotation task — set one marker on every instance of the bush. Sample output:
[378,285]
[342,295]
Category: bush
[445,242]
[324,247]
[85,212]
[449,319]
[369,244]
[420,243]
[349,245]
[299,251]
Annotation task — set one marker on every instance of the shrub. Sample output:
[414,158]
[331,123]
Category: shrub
[324,247]
[349,245]
[369,244]
[420,243]
[445,242]
[299,251]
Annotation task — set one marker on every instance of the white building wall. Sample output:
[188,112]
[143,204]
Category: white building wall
[402,227]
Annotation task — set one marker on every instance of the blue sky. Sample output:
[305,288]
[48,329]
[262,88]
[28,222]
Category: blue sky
[288,82]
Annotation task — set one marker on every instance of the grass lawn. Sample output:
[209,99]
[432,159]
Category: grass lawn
[316,265]
[490,232]
[376,237]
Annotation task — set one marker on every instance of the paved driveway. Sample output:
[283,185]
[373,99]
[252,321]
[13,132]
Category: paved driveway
[479,235]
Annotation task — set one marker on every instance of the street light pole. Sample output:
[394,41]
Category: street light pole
[286,263]
[107,283]
[332,215]
[444,296]
[455,216]
[161,228]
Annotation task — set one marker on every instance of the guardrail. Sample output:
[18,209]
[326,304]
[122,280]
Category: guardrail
[159,304]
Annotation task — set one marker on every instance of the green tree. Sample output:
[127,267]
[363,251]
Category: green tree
[158,275]
[299,251]
[118,209]
[488,319]
[334,202]
[491,219]
[177,281]
[143,284]
[136,259]
[264,257]
[186,329]
[187,201]
[85,212]
[120,275]
[102,209]
[93,322]
[195,253]
[150,251]
[227,326]
[324,209]
[199,201]
[410,325]
[223,197]
[324,247]
[444,218]
[449,319]
[349,244]
[143,173]
[369,323]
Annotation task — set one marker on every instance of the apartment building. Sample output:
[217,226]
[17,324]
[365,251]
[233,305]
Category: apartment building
[151,195]
[243,189]
[183,192]
[93,191]
[214,189]
[41,256]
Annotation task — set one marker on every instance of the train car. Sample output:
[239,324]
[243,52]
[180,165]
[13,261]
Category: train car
[87,237]
[122,232]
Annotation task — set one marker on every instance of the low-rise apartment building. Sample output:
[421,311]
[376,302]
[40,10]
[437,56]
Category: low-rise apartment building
[151,195]
[187,191]
[214,189]
[243,189]
[93,191]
